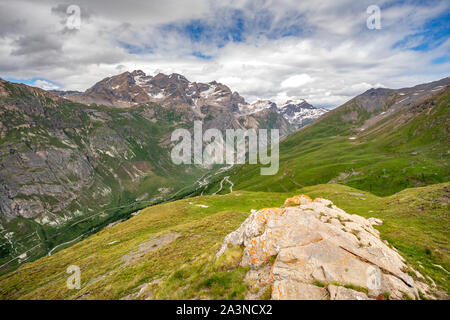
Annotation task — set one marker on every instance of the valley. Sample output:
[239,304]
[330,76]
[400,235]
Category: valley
[68,169]
[225,157]
[375,142]
[155,227]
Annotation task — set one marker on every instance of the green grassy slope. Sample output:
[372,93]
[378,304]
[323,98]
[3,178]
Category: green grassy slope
[415,222]
[410,148]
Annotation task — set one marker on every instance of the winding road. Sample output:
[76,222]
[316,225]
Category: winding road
[221,184]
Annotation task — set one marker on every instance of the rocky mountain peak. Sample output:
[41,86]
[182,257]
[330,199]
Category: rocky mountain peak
[296,104]
[138,73]
[130,89]
[299,112]
[178,77]
[260,105]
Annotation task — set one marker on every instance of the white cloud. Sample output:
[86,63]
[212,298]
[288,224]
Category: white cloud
[330,56]
[46,85]
[296,81]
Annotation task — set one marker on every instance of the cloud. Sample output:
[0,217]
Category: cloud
[46,85]
[296,81]
[318,50]
[35,44]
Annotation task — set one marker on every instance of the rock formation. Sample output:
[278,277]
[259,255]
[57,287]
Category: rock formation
[314,250]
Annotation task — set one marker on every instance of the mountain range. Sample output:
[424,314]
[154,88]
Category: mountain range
[134,88]
[74,163]
[68,169]
[382,141]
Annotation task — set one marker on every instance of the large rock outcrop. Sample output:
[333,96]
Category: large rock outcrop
[314,250]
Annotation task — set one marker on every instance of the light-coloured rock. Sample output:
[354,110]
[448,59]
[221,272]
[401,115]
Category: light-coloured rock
[293,290]
[259,279]
[315,242]
[341,293]
[152,244]
[375,221]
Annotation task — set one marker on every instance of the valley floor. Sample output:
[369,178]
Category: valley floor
[168,251]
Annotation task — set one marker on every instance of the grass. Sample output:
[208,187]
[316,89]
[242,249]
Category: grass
[415,222]
[350,286]
[87,132]
[387,164]
[408,149]
[201,232]
[319,284]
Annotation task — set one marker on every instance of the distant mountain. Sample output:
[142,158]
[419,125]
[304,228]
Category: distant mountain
[258,106]
[300,112]
[382,141]
[131,89]
[67,169]
[297,112]
[66,94]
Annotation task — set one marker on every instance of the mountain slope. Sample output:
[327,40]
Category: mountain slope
[168,251]
[67,169]
[380,141]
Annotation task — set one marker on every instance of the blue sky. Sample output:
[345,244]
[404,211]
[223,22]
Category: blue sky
[430,35]
[321,50]
[36,82]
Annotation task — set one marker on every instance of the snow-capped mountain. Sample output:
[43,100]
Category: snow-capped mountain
[133,88]
[300,112]
[199,99]
[258,106]
[296,112]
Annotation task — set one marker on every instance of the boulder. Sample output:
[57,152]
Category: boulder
[311,249]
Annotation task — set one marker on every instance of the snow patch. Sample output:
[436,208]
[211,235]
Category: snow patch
[259,105]
[159,95]
[207,93]
[139,81]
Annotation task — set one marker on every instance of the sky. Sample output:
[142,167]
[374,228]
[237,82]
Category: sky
[321,51]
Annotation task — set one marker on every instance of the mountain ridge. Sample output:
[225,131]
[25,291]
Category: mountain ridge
[332,149]
[380,130]
[130,89]
[68,169]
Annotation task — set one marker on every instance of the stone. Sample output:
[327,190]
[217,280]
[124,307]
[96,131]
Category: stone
[311,249]
[150,245]
[292,290]
[342,293]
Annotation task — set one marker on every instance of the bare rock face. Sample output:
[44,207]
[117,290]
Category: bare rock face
[207,101]
[314,250]
[129,89]
[24,176]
